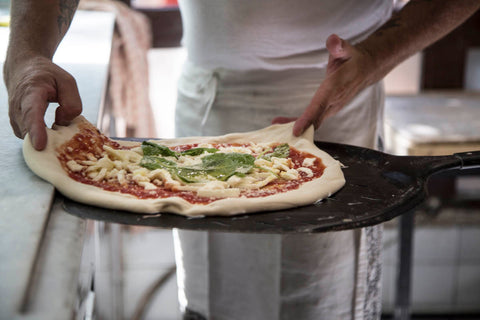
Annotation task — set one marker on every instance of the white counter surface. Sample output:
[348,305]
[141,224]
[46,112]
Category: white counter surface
[47,289]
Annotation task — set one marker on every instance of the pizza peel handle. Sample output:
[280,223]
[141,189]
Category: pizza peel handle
[416,166]
[469,160]
[425,166]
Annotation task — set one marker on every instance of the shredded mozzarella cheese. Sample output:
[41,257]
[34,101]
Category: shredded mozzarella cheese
[124,166]
[74,166]
[308,162]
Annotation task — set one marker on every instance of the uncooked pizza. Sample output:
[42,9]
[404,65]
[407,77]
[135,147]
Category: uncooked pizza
[268,169]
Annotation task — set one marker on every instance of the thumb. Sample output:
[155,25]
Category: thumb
[339,51]
[338,48]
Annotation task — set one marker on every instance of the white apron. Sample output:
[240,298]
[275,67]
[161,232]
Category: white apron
[232,276]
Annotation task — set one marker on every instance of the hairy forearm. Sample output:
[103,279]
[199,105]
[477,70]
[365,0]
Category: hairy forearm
[37,27]
[419,24]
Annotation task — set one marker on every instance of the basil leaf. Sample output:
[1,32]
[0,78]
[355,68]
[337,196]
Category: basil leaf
[153,149]
[191,175]
[281,151]
[220,166]
[153,162]
[197,151]
[224,165]
[188,175]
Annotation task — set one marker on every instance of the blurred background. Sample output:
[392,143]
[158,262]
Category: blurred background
[432,108]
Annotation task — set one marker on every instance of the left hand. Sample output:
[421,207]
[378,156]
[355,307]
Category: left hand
[348,72]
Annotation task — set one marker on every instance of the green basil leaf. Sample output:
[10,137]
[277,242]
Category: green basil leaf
[281,151]
[224,165]
[220,166]
[153,163]
[198,151]
[191,175]
[153,149]
[186,174]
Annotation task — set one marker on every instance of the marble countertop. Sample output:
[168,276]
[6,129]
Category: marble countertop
[32,225]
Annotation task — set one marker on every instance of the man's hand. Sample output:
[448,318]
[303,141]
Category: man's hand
[32,80]
[32,85]
[347,74]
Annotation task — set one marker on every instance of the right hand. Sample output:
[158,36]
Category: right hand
[32,84]
[350,69]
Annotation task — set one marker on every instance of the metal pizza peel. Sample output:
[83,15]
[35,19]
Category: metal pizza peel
[379,187]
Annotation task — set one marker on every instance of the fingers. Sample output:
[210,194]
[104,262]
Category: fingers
[340,85]
[33,106]
[320,106]
[38,135]
[301,125]
[282,120]
[68,97]
[36,83]
[313,115]
[317,109]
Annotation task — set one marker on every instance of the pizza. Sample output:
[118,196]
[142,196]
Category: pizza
[268,169]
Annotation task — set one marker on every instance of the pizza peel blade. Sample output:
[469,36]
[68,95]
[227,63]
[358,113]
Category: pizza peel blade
[379,187]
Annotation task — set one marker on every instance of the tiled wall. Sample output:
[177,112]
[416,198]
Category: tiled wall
[446,269]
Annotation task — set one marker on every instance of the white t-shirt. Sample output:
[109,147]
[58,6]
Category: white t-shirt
[274,34]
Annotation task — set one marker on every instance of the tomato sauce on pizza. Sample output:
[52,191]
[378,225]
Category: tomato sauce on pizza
[198,173]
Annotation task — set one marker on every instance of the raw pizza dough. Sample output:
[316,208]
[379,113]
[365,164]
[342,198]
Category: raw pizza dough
[46,165]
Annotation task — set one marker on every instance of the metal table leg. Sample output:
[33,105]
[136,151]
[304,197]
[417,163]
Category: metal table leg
[404,266]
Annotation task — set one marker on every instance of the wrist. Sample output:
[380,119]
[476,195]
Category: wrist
[376,67]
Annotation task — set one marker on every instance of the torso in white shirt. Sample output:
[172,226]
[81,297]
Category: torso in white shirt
[274,34]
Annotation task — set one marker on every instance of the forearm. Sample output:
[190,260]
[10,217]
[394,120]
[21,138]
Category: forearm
[419,24]
[37,27]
